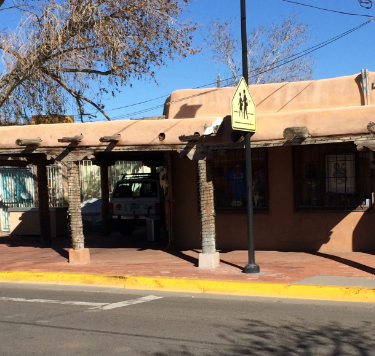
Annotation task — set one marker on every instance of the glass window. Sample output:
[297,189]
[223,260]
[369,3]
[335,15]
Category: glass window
[229,177]
[332,177]
[136,189]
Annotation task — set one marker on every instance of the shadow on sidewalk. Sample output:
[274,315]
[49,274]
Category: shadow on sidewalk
[184,256]
[229,263]
[345,261]
[60,245]
[221,260]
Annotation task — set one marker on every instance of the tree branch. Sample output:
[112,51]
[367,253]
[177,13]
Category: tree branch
[81,111]
[77,96]
[11,51]
[85,70]
[61,46]
[71,49]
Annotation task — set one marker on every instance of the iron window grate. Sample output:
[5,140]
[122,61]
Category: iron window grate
[229,177]
[332,177]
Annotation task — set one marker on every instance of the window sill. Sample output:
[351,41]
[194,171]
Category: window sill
[333,210]
[242,211]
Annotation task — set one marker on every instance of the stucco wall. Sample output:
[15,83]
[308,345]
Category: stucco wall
[284,229]
[281,228]
[133,132]
[275,98]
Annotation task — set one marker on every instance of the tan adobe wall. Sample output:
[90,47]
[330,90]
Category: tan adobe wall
[284,229]
[273,98]
[326,107]
[279,229]
[133,132]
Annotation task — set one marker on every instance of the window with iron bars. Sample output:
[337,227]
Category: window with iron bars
[332,177]
[229,178]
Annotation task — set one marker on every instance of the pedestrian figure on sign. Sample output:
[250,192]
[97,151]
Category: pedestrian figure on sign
[245,104]
[240,104]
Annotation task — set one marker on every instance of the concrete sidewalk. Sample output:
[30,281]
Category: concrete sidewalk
[113,256]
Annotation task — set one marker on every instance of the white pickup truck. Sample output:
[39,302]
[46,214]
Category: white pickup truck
[135,197]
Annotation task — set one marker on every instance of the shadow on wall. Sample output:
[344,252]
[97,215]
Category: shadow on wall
[298,94]
[187,111]
[364,233]
[311,232]
[284,228]
[258,337]
[308,232]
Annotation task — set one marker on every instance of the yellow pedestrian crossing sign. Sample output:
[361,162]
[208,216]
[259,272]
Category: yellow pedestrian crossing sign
[243,109]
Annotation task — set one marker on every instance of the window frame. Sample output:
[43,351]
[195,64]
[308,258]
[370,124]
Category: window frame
[243,208]
[297,187]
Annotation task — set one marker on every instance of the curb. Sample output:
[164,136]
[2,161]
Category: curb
[167,284]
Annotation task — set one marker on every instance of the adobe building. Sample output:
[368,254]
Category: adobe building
[312,162]
[310,193]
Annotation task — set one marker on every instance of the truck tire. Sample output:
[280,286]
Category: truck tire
[127,227]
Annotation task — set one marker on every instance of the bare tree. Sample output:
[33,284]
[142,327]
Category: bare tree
[82,49]
[268,48]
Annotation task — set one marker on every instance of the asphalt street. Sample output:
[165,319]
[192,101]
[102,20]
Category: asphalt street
[66,320]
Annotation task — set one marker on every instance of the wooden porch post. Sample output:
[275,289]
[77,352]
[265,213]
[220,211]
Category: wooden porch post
[36,190]
[209,258]
[44,216]
[78,253]
[169,203]
[105,198]
[64,171]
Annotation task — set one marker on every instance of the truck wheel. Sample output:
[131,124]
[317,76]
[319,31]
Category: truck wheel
[127,227]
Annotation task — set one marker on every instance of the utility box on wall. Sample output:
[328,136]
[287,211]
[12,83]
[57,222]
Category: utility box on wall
[25,221]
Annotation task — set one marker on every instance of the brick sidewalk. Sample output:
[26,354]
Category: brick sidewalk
[112,256]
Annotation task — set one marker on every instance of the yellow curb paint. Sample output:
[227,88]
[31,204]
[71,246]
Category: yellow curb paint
[35,277]
[165,284]
[93,279]
[254,289]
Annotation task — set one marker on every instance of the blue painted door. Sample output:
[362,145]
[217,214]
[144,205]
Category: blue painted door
[16,190]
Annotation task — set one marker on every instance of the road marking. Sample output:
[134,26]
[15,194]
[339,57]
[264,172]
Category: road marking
[130,302]
[50,301]
[102,306]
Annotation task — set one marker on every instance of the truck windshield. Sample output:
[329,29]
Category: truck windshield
[132,189]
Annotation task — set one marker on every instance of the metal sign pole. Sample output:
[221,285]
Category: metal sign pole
[251,267]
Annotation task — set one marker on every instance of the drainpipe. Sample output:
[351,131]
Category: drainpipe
[365,85]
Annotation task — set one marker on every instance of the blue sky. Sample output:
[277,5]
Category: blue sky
[344,57]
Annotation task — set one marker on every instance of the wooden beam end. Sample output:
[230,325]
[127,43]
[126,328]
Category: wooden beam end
[28,141]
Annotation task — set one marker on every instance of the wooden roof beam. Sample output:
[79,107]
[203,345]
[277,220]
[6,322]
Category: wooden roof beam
[28,141]
[371,127]
[113,138]
[188,138]
[74,139]
[296,134]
